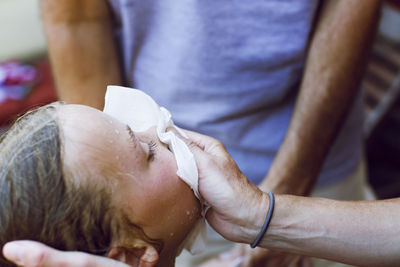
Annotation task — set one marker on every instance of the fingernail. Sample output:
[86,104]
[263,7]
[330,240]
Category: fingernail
[14,252]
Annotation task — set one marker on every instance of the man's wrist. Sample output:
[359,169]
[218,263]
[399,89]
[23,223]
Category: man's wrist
[257,214]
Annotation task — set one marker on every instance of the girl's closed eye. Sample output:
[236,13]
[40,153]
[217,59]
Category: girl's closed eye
[152,149]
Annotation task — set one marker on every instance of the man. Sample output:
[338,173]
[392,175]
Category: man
[275,81]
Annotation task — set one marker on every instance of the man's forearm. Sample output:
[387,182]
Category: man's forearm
[362,233]
[335,63]
[82,49]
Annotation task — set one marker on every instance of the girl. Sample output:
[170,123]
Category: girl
[75,178]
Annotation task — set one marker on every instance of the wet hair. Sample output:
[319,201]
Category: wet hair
[37,202]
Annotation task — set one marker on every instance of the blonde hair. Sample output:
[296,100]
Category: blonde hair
[36,202]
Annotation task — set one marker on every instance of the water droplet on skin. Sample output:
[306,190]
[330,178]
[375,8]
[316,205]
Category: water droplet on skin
[110,121]
[116,131]
[171,234]
[187,212]
[111,141]
[117,157]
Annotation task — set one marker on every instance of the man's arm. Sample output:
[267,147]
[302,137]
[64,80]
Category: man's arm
[334,67]
[361,233]
[82,49]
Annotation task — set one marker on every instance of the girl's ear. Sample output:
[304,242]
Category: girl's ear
[139,254]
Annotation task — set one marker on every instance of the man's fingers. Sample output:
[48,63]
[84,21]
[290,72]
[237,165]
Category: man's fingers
[201,140]
[190,142]
[198,136]
[34,254]
[208,144]
[196,140]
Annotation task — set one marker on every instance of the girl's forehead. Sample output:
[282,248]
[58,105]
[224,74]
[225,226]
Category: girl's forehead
[82,113]
[80,121]
[90,137]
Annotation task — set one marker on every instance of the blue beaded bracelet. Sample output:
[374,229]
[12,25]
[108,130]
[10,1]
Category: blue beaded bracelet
[267,220]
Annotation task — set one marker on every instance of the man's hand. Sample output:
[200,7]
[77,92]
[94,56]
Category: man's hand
[235,202]
[34,254]
[238,207]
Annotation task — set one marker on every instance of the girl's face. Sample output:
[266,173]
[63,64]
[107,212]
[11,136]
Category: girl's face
[140,171]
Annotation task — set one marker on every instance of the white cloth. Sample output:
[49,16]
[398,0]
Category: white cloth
[140,112]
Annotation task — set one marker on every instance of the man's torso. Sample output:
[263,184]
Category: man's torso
[229,69]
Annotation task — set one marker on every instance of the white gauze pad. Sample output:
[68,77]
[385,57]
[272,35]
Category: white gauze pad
[138,110]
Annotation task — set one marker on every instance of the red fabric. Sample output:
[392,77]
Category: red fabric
[41,94]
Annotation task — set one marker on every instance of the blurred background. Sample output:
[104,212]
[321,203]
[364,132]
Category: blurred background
[26,82]
[25,76]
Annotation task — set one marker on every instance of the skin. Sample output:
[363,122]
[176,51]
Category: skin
[146,188]
[82,50]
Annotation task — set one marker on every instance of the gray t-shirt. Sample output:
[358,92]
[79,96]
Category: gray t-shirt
[229,69]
